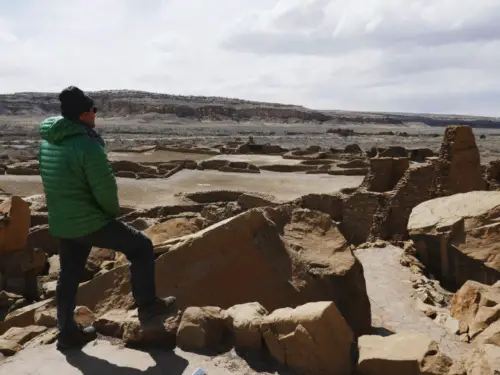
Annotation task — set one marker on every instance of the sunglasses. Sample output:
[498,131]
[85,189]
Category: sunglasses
[94,109]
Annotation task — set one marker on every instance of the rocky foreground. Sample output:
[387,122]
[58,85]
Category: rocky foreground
[399,275]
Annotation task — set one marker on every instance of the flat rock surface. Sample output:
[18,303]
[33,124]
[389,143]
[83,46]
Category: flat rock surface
[442,212]
[393,308]
[153,192]
[100,357]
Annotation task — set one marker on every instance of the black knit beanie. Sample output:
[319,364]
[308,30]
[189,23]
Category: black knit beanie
[74,102]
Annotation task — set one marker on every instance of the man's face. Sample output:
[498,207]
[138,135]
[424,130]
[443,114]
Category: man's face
[89,117]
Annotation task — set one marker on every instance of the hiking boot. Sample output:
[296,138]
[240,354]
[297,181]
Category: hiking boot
[160,306]
[76,338]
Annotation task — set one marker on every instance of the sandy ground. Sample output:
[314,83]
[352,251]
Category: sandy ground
[156,156]
[154,192]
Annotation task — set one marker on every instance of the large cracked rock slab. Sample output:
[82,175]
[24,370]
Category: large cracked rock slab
[458,237]
[283,256]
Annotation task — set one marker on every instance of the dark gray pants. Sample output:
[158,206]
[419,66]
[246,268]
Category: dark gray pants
[73,255]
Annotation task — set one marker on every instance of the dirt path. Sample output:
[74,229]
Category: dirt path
[393,308]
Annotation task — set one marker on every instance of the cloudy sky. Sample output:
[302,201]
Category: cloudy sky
[438,56]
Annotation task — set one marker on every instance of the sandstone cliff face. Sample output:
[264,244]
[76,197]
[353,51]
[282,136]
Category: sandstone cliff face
[124,103]
[118,103]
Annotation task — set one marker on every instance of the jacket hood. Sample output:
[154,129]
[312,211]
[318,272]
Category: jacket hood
[55,129]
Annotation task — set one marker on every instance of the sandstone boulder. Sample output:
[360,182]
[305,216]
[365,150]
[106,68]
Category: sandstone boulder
[408,353]
[14,224]
[96,259]
[490,335]
[201,328]
[160,331]
[244,320]
[23,317]
[111,323]
[458,237]
[283,256]
[49,288]
[54,266]
[477,306]
[13,340]
[47,317]
[312,339]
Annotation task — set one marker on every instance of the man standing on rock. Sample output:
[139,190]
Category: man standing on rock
[82,201]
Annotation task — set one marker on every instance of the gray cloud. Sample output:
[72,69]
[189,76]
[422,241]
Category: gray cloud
[328,27]
[404,55]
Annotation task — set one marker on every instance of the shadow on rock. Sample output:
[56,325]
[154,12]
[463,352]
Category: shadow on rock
[382,331]
[166,363]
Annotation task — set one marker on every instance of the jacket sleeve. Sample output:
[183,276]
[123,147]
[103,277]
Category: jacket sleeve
[101,178]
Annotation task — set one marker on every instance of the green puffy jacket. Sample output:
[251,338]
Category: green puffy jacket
[78,181]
